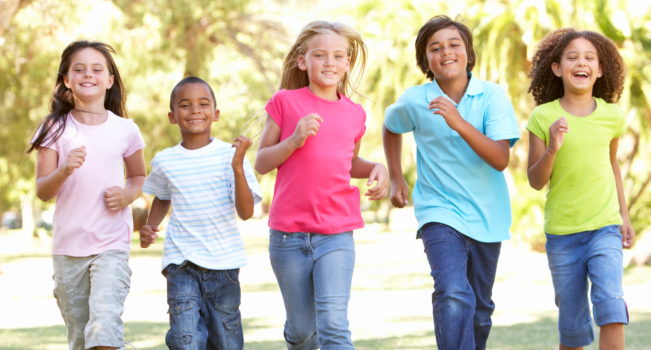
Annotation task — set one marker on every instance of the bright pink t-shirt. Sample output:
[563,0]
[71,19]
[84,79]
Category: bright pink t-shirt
[313,192]
[83,224]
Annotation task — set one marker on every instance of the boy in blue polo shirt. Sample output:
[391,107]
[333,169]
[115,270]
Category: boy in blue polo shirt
[207,182]
[464,128]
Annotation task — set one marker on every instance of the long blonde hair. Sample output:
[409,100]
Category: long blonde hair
[293,77]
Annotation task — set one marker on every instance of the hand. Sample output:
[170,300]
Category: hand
[116,198]
[75,159]
[557,134]
[446,109]
[306,127]
[380,190]
[628,234]
[241,144]
[148,235]
[399,192]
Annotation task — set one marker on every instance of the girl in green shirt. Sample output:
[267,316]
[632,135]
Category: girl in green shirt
[573,137]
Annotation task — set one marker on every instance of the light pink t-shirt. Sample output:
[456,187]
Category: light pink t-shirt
[313,192]
[83,224]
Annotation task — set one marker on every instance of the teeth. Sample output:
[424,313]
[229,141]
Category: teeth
[448,62]
[581,73]
[196,121]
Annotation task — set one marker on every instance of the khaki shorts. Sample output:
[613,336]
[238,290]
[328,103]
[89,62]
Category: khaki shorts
[92,314]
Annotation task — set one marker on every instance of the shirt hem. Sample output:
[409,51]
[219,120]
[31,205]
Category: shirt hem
[319,231]
[204,265]
[583,229]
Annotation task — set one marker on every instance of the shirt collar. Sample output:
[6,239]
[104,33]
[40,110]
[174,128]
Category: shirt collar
[474,88]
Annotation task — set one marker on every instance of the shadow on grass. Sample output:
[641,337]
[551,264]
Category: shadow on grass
[541,334]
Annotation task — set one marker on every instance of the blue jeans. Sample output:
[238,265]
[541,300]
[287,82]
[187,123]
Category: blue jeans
[464,272]
[572,260]
[204,308]
[315,274]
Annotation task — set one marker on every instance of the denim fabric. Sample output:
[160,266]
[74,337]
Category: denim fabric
[315,274]
[573,259]
[203,307]
[464,272]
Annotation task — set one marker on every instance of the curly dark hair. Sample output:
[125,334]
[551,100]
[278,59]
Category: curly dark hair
[432,26]
[546,87]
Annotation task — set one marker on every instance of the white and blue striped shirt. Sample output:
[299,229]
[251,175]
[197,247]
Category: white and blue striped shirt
[201,184]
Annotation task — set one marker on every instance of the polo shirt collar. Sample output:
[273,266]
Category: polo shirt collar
[474,88]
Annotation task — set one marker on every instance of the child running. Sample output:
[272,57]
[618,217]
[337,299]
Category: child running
[573,137]
[83,147]
[207,182]
[464,128]
[312,135]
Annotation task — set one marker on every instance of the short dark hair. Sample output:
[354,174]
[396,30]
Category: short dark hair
[191,80]
[432,26]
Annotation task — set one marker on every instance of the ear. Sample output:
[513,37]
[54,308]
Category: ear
[66,81]
[216,117]
[171,117]
[556,68]
[110,82]
[600,72]
[302,65]
[348,64]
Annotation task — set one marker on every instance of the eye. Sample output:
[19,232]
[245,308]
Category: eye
[455,45]
[435,49]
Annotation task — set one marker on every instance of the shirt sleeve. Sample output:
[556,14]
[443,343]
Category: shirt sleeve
[251,180]
[397,118]
[157,183]
[136,143]
[47,141]
[275,108]
[499,121]
[362,130]
[535,125]
[621,125]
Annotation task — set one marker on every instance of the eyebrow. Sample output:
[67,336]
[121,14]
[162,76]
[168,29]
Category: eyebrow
[574,51]
[436,42]
[187,99]
[92,64]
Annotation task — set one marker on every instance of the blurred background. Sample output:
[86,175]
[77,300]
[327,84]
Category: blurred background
[237,46]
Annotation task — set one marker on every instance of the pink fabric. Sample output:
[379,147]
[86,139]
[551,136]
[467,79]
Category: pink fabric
[83,225]
[313,192]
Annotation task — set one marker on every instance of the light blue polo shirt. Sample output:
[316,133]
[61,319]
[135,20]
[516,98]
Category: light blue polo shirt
[455,187]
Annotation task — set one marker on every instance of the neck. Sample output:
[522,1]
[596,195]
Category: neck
[195,141]
[328,93]
[90,112]
[454,88]
[578,104]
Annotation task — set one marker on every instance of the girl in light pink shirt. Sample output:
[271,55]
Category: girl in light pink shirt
[83,147]
[312,136]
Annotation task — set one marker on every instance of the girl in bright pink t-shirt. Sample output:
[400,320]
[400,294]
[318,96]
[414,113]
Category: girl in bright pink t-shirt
[83,146]
[312,136]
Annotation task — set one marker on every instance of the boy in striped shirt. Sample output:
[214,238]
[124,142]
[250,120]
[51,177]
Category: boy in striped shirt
[207,182]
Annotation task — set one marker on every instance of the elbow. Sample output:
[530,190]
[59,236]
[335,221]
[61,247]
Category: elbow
[535,185]
[259,167]
[245,216]
[45,197]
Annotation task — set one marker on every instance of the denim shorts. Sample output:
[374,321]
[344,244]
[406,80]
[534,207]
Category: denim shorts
[204,308]
[573,259]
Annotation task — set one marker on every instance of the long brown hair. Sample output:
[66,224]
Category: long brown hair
[115,100]
[546,86]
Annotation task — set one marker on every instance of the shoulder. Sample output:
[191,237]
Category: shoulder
[355,107]
[610,108]
[123,123]
[165,155]
[415,92]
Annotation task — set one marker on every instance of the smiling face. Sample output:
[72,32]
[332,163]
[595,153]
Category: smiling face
[193,109]
[88,76]
[579,66]
[447,55]
[326,61]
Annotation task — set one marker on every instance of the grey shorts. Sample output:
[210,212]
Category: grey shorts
[92,314]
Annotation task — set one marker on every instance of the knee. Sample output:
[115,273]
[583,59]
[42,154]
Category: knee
[300,334]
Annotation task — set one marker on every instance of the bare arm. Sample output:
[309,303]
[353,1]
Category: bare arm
[628,234]
[158,211]
[362,169]
[494,153]
[393,152]
[243,196]
[541,159]
[49,176]
[273,152]
[116,197]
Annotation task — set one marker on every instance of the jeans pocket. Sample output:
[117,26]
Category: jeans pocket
[233,275]
[234,336]
[181,323]
[276,238]
[229,297]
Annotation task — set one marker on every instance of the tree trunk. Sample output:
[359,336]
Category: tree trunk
[8,9]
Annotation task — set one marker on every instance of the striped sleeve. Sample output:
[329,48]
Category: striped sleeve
[157,183]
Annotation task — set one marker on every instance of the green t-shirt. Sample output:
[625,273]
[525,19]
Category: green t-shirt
[582,192]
